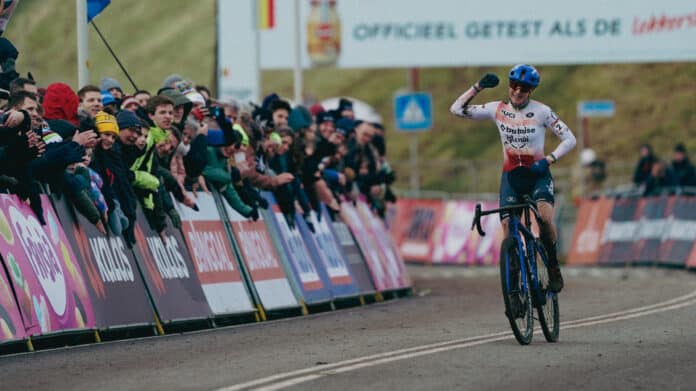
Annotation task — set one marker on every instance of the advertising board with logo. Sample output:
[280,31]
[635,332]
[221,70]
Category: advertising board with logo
[48,282]
[213,258]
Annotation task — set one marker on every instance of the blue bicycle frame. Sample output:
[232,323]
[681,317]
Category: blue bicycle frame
[526,249]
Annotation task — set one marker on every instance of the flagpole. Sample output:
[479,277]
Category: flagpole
[297,84]
[82,44]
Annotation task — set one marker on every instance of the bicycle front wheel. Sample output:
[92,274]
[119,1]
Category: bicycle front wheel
[547,301]
[516,293]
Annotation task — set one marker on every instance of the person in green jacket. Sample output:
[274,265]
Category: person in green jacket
[147,182]
[222,175]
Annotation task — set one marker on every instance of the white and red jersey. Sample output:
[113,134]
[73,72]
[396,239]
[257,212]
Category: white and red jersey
[521,131]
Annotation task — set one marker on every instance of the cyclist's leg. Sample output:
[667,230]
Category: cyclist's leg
[507,196]
[543,194]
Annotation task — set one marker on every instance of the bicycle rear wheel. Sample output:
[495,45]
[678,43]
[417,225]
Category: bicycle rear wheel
[516,293]
[547,306]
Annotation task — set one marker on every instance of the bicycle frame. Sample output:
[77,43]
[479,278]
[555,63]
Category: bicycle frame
[526,249]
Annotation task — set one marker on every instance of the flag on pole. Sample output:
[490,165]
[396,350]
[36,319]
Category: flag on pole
[266,14]
[7,7]
[94,7]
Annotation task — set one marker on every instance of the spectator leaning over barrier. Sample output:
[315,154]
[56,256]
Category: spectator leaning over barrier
[661,180]
[117,189]
[23,84]
[363,159]
[147,186]
[285,161]
[221,175]
[19,146]
[644,166]
[683,168]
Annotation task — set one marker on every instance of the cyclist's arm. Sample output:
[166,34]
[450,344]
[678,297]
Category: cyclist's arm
[560,129]
[461,107]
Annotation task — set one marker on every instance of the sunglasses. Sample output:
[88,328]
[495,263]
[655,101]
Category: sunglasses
[523,87]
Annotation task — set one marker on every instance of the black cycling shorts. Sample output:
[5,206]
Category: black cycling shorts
[520,181]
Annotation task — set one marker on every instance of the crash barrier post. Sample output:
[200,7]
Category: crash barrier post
[110,269]
[632,229]
[48,287]
[167,270]
[439,232]
[270,282]
[215,263]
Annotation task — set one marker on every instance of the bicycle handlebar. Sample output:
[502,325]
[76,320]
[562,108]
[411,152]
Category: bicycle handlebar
[528,203]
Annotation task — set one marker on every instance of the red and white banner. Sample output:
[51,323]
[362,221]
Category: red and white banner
[261,261]
[213,257]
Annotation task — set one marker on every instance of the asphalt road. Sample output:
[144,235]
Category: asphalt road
[622,329]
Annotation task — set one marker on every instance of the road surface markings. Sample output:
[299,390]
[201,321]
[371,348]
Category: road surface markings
[293,378]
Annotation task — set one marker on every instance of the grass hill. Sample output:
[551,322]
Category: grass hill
[655,103]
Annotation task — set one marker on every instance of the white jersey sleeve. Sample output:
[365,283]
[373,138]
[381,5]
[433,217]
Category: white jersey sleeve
[461,107]
[560,129]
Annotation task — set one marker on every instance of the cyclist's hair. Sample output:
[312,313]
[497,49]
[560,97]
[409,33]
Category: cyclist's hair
[17,99]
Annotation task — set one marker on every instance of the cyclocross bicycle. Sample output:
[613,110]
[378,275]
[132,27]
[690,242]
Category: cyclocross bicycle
[524,274]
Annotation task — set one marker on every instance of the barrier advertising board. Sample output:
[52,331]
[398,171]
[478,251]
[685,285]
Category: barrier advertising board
[353,255]
[291,244]
[119,297]
[680,233]
[322,245]
[11,326]
[652,214]
[261,261]
[592,218]
[392,261]
[48,282]
[620,232]
[169,274]
[367,246]
[414,227]
[213,258]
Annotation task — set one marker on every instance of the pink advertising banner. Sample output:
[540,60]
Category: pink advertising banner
[11,326]
[47,279]
[393,263]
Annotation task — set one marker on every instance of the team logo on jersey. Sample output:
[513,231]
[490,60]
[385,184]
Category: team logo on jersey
[530,114]
[508,114]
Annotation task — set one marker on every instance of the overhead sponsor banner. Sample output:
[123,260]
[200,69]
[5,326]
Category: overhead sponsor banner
[116,287]
[354,257]
[414,226]
[620,232]
[680,233]
[48,282]
[169,272]
[654,213]
[589,226]
[392,261]
[213,258]
[409,33]
[11,326]
[323,246]
[292,246]
[261,261]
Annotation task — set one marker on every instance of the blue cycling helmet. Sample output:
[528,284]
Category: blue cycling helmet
[525,74]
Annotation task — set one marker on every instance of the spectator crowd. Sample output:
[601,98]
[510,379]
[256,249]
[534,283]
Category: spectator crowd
[655,176]
[110,152]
